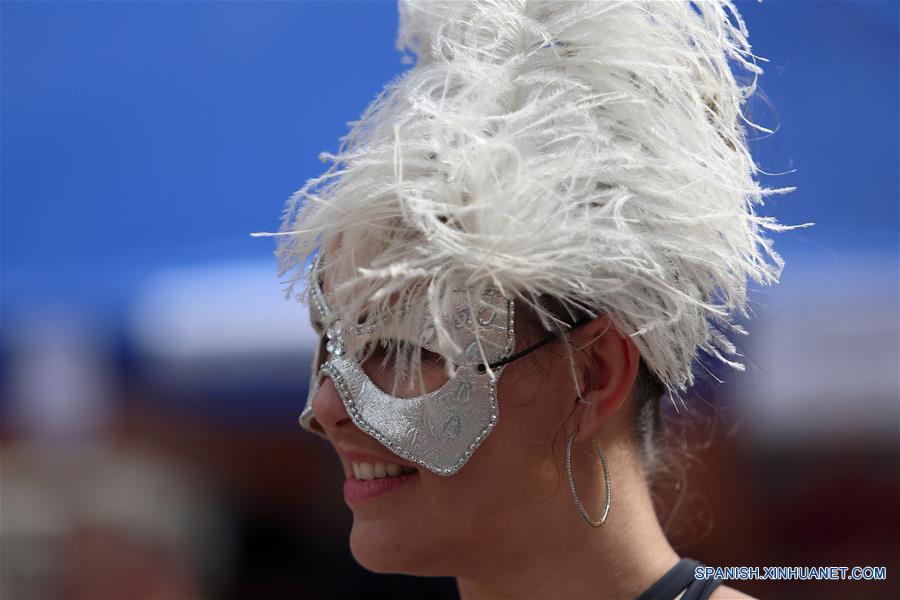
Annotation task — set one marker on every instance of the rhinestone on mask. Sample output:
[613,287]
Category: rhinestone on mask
[335,343]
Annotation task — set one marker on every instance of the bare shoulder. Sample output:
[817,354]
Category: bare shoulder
[723,592]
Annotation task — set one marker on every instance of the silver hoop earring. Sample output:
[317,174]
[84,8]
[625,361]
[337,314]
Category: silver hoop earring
[578,503]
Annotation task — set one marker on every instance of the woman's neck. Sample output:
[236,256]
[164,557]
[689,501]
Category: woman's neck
[555,554]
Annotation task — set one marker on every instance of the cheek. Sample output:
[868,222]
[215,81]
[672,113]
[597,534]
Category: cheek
[530,435]
[536,400]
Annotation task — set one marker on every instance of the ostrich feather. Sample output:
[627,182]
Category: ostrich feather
[593,152]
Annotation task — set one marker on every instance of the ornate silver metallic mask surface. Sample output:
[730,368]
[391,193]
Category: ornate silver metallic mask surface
[440,429]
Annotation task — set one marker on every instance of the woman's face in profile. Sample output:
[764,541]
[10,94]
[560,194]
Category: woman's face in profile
[421,523]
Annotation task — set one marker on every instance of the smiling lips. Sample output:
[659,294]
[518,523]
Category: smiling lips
[371,474]
[366,485]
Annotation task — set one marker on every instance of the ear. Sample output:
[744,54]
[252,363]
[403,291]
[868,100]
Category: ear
[609,363]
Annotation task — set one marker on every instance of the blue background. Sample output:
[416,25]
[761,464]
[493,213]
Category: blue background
[139,135]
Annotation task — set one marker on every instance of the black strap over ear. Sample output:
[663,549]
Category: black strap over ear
[481,367]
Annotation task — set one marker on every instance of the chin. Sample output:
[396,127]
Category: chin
[381,548]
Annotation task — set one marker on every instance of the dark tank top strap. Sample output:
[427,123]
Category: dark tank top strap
[681,578]
[701,589]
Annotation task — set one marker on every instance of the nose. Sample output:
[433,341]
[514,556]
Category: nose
[329,413]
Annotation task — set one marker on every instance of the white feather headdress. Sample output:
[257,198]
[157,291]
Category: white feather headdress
[594,152]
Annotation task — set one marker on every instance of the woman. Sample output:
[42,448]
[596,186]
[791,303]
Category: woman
[550,217]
